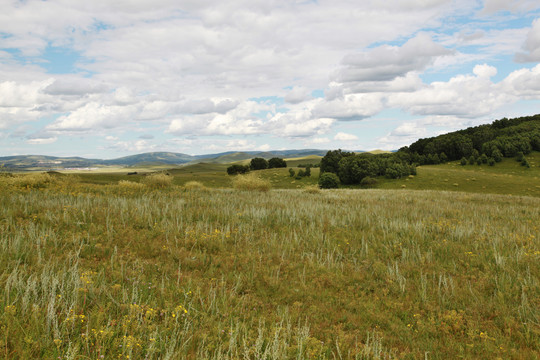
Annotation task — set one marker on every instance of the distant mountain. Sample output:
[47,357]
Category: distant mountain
[37,162]
[151,157]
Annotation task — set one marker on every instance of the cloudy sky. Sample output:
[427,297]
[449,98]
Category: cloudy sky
[108,78]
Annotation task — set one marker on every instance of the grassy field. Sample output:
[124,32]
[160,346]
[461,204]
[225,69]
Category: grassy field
[507,177]
[125,271]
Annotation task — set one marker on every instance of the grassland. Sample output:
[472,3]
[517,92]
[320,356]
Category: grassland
[92,271]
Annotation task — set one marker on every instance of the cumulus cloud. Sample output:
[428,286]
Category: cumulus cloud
[493,6]
[74,85]
[386,62]
[297,94]
[531,46]
[341,136]
[192,68]
[463,95]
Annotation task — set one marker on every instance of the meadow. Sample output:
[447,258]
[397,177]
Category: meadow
[91,269]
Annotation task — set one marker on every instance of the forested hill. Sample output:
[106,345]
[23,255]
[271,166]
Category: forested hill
[505,137]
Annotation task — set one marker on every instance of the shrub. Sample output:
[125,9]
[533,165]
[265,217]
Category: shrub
[368,181]
[307,172]
[194,185]
[525,163]
[158,181]
[483,158]
[251,182]
[276,163]
[130,185]
[472,160]
[497,155]
[291,172]
[463,161]
[33,181]
[328,181]
[491,161]
[258,164]
[300,174]
[237,169]
[520,157]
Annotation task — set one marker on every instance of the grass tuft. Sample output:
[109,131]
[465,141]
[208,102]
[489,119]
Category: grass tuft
[251,182]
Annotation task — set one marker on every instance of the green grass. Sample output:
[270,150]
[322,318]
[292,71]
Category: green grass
[507,177]
[107,271]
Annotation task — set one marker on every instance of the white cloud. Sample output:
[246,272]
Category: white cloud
[463,95]
[341,136]
[319,140]
[493,6]
[41,140]
[531,46]
[297,95]
[386,63]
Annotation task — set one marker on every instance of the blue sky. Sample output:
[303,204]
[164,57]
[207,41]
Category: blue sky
[107,79]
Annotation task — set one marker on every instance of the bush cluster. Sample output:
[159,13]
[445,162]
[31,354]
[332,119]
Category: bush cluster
[237,169]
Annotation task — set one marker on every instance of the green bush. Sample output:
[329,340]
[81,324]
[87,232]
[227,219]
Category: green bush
[491,161]
[328,181]
[276,163]
[463,161]
[368,181]
[258,164]
[237,169]
[291,172]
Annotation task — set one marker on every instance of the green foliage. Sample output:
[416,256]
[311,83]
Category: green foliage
[328,181]
[472,160]
[353,169]
[491,161]
[483,159]
[276,163]
[368,181]
[497,155]
[237,169]
[330,162]
[258,164]
[463,161]
[508,136]
[307,172]
[291,172]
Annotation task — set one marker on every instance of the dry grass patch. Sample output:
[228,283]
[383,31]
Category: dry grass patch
[312,189]
[158,181]
[251,182]
[194,185]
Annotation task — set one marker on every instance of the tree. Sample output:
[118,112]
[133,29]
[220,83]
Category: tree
[463,161]
[497,155]
[258,164]
[237,169]
[328,181]
[330,162]
[291,172]
[307,172]
[276,163]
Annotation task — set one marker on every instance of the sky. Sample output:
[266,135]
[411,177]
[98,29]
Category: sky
[104,79]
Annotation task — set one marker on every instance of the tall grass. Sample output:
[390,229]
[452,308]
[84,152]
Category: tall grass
[251,182]
[91,271]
